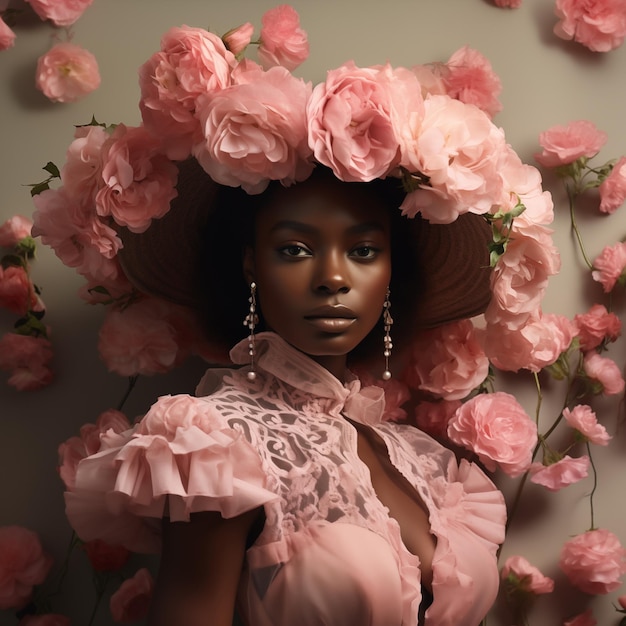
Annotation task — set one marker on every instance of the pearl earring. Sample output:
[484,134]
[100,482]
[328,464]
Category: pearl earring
[251,320]
[387,322]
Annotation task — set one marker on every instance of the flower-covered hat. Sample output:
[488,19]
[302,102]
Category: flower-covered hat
[212,119]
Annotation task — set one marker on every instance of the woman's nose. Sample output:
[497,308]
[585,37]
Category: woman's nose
[331,273]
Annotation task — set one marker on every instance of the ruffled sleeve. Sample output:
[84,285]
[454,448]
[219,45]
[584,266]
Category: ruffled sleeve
[180,459]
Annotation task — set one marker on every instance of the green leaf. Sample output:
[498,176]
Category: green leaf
[52,169]
[35,190]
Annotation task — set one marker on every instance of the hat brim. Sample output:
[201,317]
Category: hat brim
[452,259]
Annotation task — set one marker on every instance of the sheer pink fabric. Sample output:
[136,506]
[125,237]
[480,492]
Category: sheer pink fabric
[329,553]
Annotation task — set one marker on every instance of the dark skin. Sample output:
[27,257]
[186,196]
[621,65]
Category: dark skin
[322,265]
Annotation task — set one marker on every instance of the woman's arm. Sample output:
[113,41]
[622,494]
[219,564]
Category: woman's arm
[200,567]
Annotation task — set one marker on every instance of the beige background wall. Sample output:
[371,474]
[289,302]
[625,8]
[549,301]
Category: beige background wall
[545,81]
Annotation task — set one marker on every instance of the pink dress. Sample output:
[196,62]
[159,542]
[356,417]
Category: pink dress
[329,553]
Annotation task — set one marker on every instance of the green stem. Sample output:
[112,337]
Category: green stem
[595,486]
[132,381]
[571,196]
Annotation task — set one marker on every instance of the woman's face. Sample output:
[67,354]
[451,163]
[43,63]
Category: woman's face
[322,265]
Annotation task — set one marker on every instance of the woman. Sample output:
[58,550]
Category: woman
[281,489]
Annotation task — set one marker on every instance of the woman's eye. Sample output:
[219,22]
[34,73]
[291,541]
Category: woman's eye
[294,251]
[364,252]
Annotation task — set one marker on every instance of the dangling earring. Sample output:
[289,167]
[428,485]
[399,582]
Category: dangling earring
[251,320]
[387,323]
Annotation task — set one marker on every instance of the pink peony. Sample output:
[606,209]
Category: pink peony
[23,564]
[610,265]
[526,577]
[139,181]
[256,131]
[447,361]
[622,601]
[511,4]
[548,337]
[77,236]
[460,150]
[596,326]
[7,36]
[283,42]
[140,339]
[594,561]
[75,449]
[67,72]
[582,619]
[495,427]
[584,420]
[471,79]
[565,144]
[130,603]
[105,557]
[613,188]
[14,230]
[605,372]
[27,358]
[600,25]
[191,62]
[355,118]
[45,619]
[16,291]
[562,473]
[433,417]
[237,39]
[60,12]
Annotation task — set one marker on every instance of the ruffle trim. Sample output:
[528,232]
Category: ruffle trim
[124,490]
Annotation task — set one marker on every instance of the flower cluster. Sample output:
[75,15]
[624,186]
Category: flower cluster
[25,351]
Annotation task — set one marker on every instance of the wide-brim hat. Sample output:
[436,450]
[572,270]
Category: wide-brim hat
[164,261]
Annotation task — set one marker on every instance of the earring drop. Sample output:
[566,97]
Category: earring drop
[251,320]
[387,323]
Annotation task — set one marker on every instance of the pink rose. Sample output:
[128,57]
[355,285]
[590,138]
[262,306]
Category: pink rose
[60,12]
[27,358]
[599,25]
[396,395]
[77,236]
[67,72]
[460,151]
[495,427]
[23,564]
[256,131]
[139,181]
[605,372]
[447,361]
[526,577]
[613,188]
[609,266]
[16,291]
[564,472]
[565,144]
[45,619]
[596,326]
[594,561]
[520,277]
[283,42]
[7,36]
[237,39]
[14,230]
[81,173]
[105,557]
[622,601]
[584,420]
[354,119]
[75,449]
[511,4]
[471,79]
[130,603]
[140,339]
[433,417]
[191,62]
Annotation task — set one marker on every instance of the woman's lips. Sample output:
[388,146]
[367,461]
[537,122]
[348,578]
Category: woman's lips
[331,319]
